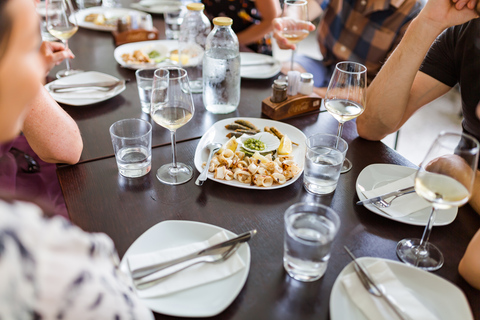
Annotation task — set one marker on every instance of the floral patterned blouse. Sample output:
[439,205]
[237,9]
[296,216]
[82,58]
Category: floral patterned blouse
[50,269]
[244,13]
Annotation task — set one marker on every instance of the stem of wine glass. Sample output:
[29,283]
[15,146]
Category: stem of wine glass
[339,132]
[67,60]
[426,233]
[292,58]
[174,149]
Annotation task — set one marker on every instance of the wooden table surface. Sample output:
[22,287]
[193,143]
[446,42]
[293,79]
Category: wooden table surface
[100,200]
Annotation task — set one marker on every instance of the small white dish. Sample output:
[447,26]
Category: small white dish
[166,46]
[441,297]
[258,66]
[109,13]
[85,77]
[218,132]
[203,301]
[157,6]
[271,142]
[377,175]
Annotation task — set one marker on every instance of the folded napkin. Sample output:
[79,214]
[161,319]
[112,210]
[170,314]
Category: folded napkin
[401,206]
[191,277]
[376,308]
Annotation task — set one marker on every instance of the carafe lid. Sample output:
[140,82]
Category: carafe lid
[195,6]
[222,21]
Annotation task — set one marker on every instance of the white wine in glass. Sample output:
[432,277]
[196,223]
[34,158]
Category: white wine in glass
[62,24]
[445,179]
[346,96]
[294,13]
[172,107]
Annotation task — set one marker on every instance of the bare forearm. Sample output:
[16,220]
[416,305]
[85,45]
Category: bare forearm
[469,267]
[51,132]
[475,199]
[254,33]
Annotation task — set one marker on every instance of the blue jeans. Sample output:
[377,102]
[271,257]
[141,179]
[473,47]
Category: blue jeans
[321,73]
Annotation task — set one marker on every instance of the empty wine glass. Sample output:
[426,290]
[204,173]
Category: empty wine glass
[294,11]
[62,24]
[445,179]
[172,107]
[346,96]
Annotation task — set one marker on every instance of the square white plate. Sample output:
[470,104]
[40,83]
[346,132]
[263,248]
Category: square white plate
[264,66]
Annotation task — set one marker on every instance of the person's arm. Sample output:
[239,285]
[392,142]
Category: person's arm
[51,132]
[469,266]
[269,10]
[400,89]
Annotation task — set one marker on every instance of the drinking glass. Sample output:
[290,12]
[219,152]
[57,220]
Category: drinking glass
[346,96]
[445,179]
[294,11]
[172,107]
[62,24]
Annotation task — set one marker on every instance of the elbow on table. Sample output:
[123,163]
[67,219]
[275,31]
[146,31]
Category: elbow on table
[70,156]
[470,273]
[368,131]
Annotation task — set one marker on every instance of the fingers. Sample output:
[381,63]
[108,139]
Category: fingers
[56,46]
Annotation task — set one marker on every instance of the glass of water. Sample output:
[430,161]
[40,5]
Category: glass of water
[309,232]
[323,162]
[173,20]
[132,144]
[144,85]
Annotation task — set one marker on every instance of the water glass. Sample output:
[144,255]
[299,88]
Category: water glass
[173,20]
[144,85]
[84,4]
[132,144]
[309,232]
[323,162]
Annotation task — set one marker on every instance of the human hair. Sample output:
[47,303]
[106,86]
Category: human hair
[5,27]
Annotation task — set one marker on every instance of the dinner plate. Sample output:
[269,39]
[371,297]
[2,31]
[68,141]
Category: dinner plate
[157,6]
[109,13]
[85,77]
[441,297]
[217,133]
[377,175]
[169,45]
[264,66]
[205,300]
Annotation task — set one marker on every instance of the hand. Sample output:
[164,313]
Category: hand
[443,14]
[54,53]
[281,23]
[459,4]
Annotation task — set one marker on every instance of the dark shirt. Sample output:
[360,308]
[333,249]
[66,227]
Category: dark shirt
[455,58]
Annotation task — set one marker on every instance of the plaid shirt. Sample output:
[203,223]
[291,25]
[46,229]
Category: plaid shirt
[365,31]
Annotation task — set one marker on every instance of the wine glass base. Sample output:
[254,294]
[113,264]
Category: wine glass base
[430,259]
[66,73]
[346,166]
[169,175]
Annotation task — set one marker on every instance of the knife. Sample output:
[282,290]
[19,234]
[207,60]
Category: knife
[215,249]
[103,84]
[400,192]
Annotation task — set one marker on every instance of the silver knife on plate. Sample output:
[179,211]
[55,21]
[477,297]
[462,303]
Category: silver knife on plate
[103,84]
[215,249]
[400,192]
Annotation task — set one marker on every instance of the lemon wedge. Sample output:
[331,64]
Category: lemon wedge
[231,144]
[285,146]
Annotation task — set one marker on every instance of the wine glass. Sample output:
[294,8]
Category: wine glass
[294,11]
[62,24]
[172,107]
[445,179]
[346,96]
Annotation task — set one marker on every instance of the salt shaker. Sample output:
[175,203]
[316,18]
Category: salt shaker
[306,84]
[279,91]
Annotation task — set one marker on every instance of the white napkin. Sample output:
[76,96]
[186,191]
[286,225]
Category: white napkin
[404,205]
[191,277]
[375,308]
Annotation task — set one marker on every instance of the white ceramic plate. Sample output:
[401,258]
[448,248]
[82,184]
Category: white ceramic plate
[157,6]
[131,47]
[377,175]
[85,77]
[217,133]
[109,13]
[259,70]
[203,301]
[441,297]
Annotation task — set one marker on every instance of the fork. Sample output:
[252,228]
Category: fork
[386,203]
[147,282]
[373,289]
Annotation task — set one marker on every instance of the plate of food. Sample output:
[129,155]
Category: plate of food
[445,300]
[258,66]
[205,300]
[157,6]
[247,160]
[376,175]
[103,19]
[147,54]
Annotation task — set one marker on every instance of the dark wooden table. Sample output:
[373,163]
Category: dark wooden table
[99,199]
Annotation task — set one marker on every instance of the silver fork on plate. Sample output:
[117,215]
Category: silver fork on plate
[373,289]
